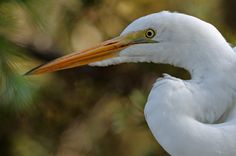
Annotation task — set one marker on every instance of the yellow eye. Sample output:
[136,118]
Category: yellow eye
[150,33]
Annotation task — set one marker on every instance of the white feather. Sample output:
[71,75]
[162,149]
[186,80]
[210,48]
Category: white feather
[234,48]
[184,115]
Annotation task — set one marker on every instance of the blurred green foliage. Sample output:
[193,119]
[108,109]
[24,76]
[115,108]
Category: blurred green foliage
[85,111]
[16,91]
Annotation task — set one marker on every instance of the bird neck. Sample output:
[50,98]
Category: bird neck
[210,63]
[211,82]
[182,115]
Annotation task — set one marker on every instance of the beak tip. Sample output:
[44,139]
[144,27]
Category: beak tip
[33,71]
[29,73]
[105,50]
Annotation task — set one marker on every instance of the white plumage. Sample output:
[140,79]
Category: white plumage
[188,117]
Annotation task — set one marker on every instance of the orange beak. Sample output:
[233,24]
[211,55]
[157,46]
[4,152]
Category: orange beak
[105,50]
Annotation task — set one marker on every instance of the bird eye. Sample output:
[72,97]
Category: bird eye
[150,33]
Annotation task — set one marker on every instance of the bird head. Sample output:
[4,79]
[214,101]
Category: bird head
[161,38]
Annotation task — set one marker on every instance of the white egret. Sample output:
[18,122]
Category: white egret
[187,117]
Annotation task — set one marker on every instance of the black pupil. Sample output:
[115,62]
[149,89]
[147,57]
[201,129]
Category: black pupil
[149,33]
